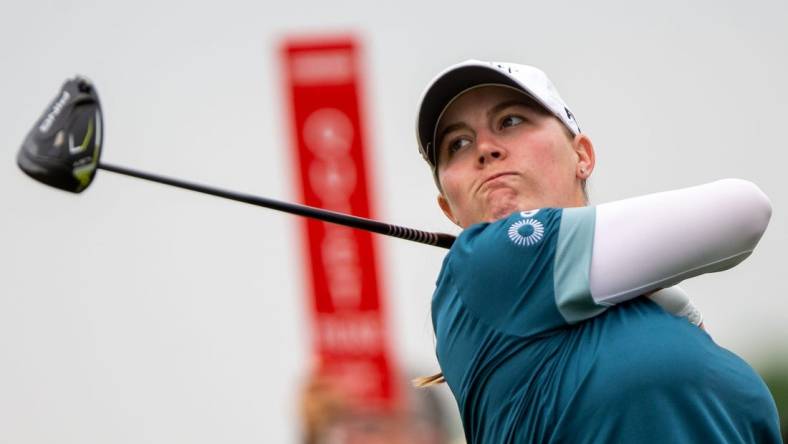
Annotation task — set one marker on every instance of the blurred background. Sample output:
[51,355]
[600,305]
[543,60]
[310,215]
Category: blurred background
[140,313]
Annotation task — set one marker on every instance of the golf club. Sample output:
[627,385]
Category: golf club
[50,155]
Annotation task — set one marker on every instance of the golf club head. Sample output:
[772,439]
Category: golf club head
[63,147]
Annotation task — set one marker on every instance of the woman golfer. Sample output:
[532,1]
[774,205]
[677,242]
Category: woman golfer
[542,333]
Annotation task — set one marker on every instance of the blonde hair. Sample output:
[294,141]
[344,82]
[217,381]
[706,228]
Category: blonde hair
[427,381]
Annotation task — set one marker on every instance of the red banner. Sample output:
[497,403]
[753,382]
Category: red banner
[349,334]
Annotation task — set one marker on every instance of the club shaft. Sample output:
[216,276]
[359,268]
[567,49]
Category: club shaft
[436,239]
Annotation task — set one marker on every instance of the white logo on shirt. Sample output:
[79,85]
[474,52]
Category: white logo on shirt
[529,213]
[526,232]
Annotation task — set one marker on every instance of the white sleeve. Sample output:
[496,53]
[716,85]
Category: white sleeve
[658,240]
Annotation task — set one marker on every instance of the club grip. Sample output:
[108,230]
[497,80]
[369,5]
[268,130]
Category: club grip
[437,239]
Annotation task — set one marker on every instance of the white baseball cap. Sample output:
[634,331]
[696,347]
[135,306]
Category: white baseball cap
[456,79]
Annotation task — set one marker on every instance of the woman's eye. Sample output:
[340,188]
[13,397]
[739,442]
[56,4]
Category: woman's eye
[508,121]
[457,144]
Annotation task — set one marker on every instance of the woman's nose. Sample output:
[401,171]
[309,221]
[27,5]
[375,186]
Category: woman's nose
[489,149]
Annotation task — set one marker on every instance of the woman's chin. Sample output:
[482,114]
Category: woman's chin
[502,202]
[502,211]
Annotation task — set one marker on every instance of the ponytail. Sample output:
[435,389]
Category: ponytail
[427,381]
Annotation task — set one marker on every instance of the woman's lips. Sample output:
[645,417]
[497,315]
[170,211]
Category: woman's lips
[493,179]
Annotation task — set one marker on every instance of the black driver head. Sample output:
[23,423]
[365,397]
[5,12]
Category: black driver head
[63,147]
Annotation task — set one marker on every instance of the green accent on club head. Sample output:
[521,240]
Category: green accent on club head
[84,173]
[88,135]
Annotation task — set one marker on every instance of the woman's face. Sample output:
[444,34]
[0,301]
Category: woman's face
[498,152]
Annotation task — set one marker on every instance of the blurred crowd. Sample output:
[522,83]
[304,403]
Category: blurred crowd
[330,416]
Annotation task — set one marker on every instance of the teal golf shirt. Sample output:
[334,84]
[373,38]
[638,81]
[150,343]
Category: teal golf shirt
[531,358]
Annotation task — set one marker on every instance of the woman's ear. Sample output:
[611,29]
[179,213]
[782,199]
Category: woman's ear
[586,157]
[444,204]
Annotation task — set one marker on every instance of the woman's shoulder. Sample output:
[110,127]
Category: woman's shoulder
[519,230]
